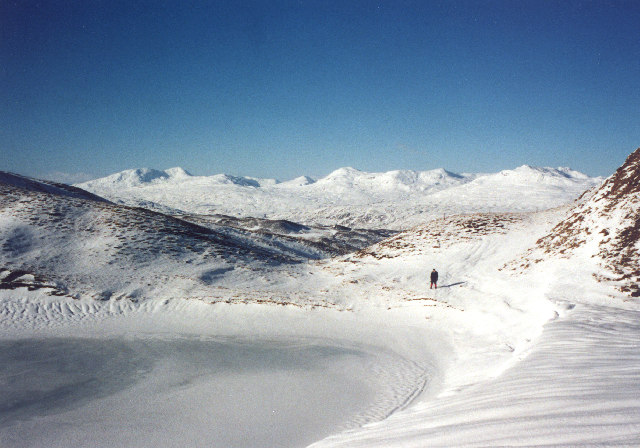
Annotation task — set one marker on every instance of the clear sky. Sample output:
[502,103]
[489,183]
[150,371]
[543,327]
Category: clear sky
[285,88]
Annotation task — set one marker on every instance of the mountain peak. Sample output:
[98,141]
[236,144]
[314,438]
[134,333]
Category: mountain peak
[136,177]
[299,181]
[131,177]
[626,179]
[178,172]
[346,171]
[540,175]
[236,180]
[534,170]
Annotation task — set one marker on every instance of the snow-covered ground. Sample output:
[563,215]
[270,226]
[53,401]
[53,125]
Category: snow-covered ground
[221,338]
[578,386]
[87,373]
[486,360]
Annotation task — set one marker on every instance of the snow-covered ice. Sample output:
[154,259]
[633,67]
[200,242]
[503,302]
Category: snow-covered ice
[60,392]
[166,374]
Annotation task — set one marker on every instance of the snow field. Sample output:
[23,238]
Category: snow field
[445,367]
[572,377]
[579,386]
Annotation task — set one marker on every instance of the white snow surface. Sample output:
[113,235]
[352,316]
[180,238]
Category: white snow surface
[395,199]
[369,356]
[186,373]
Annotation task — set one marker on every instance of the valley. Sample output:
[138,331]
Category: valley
[147,260]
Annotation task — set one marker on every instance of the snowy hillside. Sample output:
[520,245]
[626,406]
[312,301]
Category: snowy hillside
[82,246]
[46,186]
[394,199]
[603,227]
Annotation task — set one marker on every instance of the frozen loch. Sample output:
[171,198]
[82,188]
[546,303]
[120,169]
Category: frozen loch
[167,388]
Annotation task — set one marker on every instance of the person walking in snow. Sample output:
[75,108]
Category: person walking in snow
[434,279]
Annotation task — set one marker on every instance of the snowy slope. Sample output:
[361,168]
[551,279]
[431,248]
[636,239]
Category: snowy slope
[92,247]
[325,240]
[104,250]
[578,383]
[603,227]
[43,186]
[577,387]
[349,197]
[523,189]
[573,378]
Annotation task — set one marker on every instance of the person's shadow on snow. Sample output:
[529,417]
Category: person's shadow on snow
[452,284]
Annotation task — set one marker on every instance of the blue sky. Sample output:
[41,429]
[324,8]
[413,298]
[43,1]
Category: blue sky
[285,88]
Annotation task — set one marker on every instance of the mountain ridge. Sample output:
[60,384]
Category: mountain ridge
[396,199]
[44,186]
[407,176]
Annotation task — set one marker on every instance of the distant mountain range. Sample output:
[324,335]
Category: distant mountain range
[394,199]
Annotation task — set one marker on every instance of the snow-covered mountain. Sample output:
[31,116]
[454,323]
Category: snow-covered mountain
[395,199]
[87,247]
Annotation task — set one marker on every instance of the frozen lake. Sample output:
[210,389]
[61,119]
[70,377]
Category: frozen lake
[193,391]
